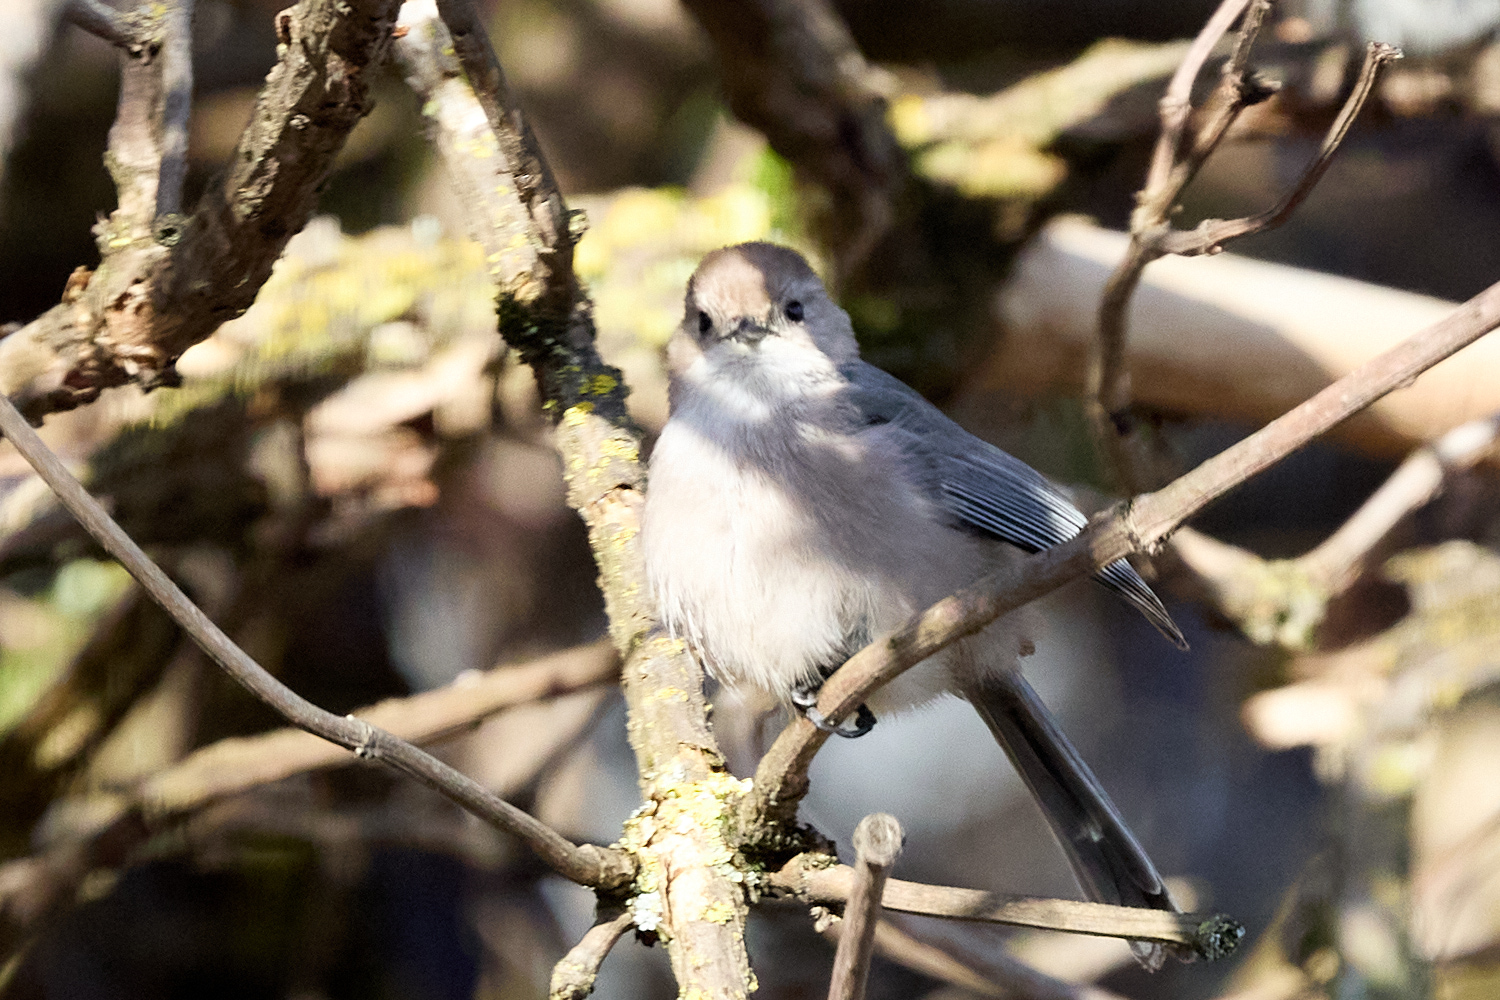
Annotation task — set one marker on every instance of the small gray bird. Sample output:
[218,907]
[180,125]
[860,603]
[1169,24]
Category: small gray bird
[802,502]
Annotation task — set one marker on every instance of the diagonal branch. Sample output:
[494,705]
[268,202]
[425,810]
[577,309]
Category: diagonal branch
[587,865]
[1138,526]
[574,975]
[99,18]
[163,287]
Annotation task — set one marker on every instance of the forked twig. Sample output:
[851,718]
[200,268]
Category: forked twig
[1176,160]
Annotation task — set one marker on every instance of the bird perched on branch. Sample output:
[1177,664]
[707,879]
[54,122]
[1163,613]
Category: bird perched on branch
[802,502]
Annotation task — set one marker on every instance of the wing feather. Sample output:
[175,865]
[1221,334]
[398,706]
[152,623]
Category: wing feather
[986,490]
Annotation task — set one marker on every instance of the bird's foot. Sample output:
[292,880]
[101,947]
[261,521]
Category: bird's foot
[805,697]
[864,721]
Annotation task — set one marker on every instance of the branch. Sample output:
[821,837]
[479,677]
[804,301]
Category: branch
[1171,170]
[1211,234]
[165,286]
[236,765]
[1140,525]
[1229,338]
[176,109]
[877,841]
[1175,162]
[1210,938]
[1176,102]
[574,975]
[681,835]
[99,18]
[587,865]
[1284,601]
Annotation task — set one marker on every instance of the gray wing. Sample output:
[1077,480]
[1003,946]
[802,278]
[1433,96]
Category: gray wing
[988,491]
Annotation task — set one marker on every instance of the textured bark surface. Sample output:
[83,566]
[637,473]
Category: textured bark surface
[164,287]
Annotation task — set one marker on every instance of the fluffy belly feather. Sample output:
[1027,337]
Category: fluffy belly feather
[771,584]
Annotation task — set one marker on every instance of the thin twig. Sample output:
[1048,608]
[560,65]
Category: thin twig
[176,109]
[1209,937]
[1175,161]
[877,841]
[574,975]
[99,18]
[1341,557]
[587,864]
[1176,102]
[1141,525]
[1210,235]
[235,765]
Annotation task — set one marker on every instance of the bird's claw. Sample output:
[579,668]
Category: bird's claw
[864,721]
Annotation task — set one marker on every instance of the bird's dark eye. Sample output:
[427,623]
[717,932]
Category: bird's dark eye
[704,323]
[794,311]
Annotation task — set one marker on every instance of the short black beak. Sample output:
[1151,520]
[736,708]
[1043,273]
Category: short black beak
[748,331]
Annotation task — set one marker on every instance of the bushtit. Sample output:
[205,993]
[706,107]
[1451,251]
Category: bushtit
[802,502]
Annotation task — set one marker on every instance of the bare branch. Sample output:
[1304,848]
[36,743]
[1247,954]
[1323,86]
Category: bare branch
[1345,553]
[877,841]
[573,976]
[680,835]
[99,18]
[1176,102]
[1141,525]
[176,108]
[134,154]
[1175,161]
[233,766]
[546,280]
[159,290]
[1211,234]
[1211,937]
[587,865]
[1284,601]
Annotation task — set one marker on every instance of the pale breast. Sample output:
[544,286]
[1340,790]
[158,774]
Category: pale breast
[776,565]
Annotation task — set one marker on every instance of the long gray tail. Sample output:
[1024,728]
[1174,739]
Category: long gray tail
[1106,857]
